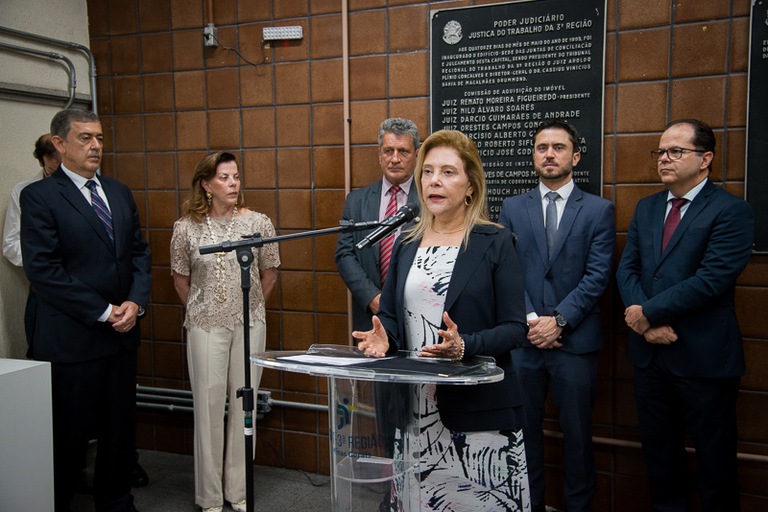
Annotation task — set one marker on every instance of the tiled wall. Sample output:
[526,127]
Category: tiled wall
[165,101]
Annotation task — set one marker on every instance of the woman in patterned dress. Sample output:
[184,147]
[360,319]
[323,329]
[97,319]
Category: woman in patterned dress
[209,287]
[455,290]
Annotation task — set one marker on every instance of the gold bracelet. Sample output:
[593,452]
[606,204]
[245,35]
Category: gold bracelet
[461,352]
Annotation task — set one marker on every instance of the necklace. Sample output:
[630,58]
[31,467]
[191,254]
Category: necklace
[220,288]
[447,232]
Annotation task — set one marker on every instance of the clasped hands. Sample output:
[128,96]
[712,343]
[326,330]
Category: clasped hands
[636,320]
[544,332]
[375,343]
[123,317]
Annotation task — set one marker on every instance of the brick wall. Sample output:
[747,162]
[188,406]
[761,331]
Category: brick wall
[166,100]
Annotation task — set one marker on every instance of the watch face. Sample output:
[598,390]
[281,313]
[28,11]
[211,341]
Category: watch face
[561,322]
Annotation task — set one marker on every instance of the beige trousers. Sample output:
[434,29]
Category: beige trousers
[216,371]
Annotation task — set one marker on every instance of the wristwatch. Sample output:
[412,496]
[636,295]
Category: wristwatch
[141,312]
[560,320]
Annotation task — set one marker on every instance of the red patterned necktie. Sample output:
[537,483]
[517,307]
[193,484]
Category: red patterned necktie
[385,246]
[673,219]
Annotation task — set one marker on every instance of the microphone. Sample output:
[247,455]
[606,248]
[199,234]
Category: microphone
[405,214]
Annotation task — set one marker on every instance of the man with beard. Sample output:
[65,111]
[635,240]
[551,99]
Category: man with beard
[566,239]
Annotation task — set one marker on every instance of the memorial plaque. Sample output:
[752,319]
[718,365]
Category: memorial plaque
[757,124]
[499,70]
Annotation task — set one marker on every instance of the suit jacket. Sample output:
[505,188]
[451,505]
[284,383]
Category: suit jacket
[360,268]
[485,299]
[77,271]
[572,281]
[691,285]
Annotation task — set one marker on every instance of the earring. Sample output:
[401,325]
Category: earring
[209,198]
[468,200]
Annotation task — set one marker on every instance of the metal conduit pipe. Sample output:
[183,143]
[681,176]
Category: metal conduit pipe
[49,55]
[181,400]
[186,397]
[63,44]
[622,443]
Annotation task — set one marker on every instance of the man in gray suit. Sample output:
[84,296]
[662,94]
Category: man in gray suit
[361,268]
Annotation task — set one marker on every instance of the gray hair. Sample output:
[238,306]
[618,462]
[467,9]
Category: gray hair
[62,121]
[400,127]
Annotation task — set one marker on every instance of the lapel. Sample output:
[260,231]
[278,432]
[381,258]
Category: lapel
[372,202]
[413,195]
[114,207]
[467,262]
[463,271]
[572,208]
[75,198]
[694,209]
[536,220]
[658,212]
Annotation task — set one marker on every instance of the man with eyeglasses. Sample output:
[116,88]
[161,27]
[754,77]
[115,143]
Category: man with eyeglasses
[685,248]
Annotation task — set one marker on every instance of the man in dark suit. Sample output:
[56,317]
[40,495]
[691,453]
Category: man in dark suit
[360,269]
[84,253]
[566,239]
[685,248]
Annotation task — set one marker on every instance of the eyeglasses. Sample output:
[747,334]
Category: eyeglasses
[672,153]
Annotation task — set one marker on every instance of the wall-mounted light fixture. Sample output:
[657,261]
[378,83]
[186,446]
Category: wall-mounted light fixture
[278,33]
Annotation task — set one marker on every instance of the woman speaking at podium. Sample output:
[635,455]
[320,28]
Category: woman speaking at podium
[455,290]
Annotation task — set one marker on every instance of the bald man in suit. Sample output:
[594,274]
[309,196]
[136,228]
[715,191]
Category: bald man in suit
[685,248]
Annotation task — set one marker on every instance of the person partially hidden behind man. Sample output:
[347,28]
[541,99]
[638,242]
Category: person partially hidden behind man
[49,159]
[84,253]
[685,248]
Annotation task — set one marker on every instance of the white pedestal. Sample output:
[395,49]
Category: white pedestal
[26,443]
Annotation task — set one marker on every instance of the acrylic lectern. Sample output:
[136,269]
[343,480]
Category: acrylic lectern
[374,437]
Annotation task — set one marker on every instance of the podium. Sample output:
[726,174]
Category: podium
[26,444]
[374,427]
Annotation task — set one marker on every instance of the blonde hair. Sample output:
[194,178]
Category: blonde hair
[196,206]
[477,209]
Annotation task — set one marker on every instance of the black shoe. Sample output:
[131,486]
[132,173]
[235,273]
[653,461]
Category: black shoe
[139,477]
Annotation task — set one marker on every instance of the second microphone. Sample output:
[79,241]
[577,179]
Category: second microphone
[405,214]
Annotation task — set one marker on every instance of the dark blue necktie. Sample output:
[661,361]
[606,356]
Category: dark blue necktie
[100,207]
[551,220]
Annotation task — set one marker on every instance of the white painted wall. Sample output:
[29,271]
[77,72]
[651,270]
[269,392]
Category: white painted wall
[21,123]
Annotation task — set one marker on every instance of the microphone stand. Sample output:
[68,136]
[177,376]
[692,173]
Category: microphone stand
[245,259]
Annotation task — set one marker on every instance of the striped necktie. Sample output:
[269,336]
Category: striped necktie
[385,246]
[100,207]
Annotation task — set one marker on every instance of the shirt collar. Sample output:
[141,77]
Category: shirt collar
[404,186]
[691,194]
[78,180]
[564,191]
